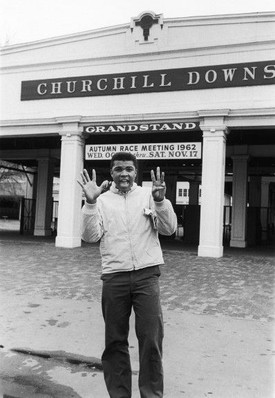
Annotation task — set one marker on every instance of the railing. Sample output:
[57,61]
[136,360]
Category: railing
[227,220]
[260,225]
[27,216]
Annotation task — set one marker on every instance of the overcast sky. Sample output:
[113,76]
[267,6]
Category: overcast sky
[30,20]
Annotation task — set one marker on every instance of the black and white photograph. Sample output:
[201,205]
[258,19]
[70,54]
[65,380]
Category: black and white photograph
[137,199]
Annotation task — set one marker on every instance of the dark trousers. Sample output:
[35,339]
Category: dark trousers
[121,291]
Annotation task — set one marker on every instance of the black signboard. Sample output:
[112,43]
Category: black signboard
[193,78]
[128,128]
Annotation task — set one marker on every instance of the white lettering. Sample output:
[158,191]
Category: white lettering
[154,126]
[121,128]
[165,127]
[229,74]
[268,70]
[214,76]
[56,88]
[69,89]
[100,129]
[196,75]
[132,127]
[133,82]
[144,127]
[190,126]
[141,127]
[162,83]
[250,73]
[90,129]
[86,85]
[39,88]
[111,129]
[118,83]
[177,126]
[99,84]
[145,85]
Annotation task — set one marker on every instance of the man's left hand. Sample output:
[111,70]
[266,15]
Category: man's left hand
[158,187]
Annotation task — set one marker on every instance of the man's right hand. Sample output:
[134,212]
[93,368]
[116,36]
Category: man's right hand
[90,188]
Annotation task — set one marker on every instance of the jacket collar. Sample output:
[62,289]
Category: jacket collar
[114,189]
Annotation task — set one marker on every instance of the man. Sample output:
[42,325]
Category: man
[126,219]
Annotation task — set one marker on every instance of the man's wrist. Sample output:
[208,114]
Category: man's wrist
[91,202]
[159,200]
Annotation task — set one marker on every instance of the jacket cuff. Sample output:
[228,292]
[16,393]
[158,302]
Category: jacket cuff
[160,204]
[89,208]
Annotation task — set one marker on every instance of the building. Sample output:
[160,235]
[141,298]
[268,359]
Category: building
[195,96]
[16,186]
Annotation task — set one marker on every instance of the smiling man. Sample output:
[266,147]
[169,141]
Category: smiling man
[127,219]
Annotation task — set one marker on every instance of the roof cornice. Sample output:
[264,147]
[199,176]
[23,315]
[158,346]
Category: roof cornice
[106,31]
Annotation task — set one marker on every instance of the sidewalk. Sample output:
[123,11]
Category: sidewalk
[218,317]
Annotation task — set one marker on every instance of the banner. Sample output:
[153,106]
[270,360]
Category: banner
[171,150]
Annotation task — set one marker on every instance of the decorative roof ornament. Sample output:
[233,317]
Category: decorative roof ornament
[146,20]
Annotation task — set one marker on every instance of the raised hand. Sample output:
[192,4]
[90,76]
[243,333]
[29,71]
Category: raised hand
[90,188]
[158,186]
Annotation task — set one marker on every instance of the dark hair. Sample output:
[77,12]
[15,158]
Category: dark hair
[123,156]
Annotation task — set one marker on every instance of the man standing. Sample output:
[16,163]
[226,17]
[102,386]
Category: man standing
[127,219]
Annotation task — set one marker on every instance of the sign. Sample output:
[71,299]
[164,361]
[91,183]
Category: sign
[171,150]
[193,78]
[141,128]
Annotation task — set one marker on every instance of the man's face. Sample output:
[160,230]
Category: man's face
[123,173]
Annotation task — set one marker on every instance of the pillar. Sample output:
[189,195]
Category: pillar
[70,193]
[194,192]
[255,191]
[43,210]
[171,188]
[239,201]
[264,206]
[213,177]
[254,228]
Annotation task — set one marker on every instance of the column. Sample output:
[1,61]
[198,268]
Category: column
[191,220]
[255,191]
[254,228]
[264,206]
[212,200]
[239,201]
[70,193]
[171,188]
[194,193]
[43,210]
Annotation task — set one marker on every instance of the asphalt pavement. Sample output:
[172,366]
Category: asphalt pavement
[218,314]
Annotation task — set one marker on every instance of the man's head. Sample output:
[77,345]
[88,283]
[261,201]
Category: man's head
[123,156]
[123,170]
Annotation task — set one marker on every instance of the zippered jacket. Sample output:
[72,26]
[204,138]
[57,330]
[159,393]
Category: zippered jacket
[127,225]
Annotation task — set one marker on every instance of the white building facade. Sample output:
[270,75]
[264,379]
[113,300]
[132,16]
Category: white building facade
[198,93]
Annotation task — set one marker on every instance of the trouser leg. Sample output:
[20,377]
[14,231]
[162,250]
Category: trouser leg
[149,330]
[116,308]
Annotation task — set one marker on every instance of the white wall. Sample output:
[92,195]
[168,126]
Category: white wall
[184,42]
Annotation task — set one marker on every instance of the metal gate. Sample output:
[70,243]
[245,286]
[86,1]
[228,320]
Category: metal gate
[27,216]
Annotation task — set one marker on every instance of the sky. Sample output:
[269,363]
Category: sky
[24,21]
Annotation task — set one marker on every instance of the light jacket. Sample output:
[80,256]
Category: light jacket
[127,226]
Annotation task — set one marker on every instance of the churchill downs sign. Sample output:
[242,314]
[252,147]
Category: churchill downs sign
[197,78]
[171,150]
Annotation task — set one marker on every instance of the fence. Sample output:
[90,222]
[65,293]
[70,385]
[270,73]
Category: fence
[27,216]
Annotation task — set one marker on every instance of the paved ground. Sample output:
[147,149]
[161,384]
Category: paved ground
[219,318]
